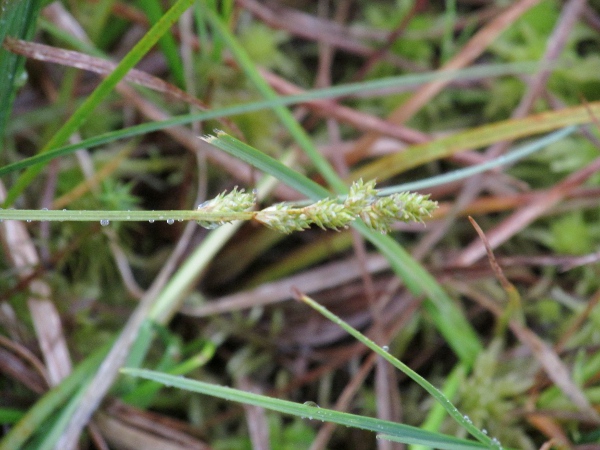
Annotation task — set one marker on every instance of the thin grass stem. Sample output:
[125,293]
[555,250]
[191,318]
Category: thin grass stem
[461,419]
[121,216]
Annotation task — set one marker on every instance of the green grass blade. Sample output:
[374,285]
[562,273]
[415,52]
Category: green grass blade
[464,421]
[475,169]
[392,438]
[167,43]
[302,139]
[389,165]
[104,88]
[446,316]
[436,415]
[263,162]
[59,420]
[51,401]
[17,20]
[407,434]
[9,416]
[143,395]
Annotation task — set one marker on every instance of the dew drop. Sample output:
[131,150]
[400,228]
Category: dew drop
[170,221]
[484,431]
[209,225]
[104,222]
[312,404]
[28,220]
[385,348]
[151,221]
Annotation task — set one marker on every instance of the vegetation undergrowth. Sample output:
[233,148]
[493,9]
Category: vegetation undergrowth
[112,156]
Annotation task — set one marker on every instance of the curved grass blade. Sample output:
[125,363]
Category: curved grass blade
[287,119]
[463,421]
[153,11]
[17,19]
[437,413]
[262,162]
[502,160]
[406,433]
[49,437]
[51,401]
[393,164]
[104,88]
[143,395]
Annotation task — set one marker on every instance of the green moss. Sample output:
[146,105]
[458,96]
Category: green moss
[490,394]
[570,234]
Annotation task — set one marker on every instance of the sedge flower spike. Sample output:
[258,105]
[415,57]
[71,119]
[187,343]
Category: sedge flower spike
[226,204]
[378,213]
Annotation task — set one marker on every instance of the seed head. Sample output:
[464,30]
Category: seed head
[379,213]
[227,203]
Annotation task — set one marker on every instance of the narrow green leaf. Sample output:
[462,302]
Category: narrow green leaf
[263,162]
[475,169]
[431,390]
[437,413]
[17,19]
[405,433]
[288,120]
[51,401]
[104,88]
[59,420]
[10,415]
[143,395]
[167,43]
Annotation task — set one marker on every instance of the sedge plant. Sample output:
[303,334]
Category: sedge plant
[363,201]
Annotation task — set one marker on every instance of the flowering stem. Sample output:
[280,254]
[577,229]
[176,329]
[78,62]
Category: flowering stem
[362,202]
[121,216]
